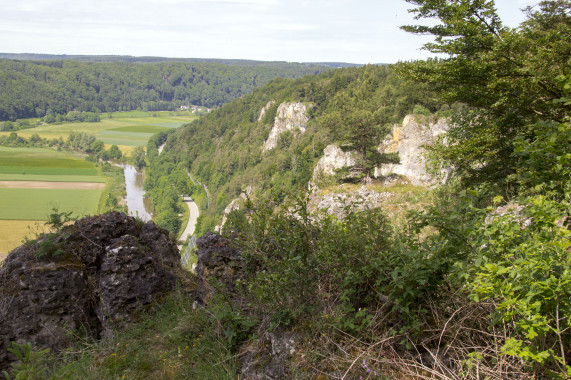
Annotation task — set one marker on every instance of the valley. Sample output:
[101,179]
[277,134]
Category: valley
[35,180]
[406,221]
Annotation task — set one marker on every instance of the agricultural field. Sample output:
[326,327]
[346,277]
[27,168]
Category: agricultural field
[127,130]
[33,181]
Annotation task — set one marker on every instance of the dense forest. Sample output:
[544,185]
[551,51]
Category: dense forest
[37,88]
[224,149]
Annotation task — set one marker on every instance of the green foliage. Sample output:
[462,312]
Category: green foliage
[291,257]
[26,367]
[114,152]
[508,77]
[139,157]
[57,219]
[78,91]
[524,264]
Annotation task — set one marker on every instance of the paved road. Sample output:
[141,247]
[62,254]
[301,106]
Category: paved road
[191,225]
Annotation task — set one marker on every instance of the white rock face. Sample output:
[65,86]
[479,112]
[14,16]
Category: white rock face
[289,117]
[233,206]
[333,158]
[407,140]
[264,109]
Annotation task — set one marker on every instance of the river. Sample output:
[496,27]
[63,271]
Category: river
[135,197]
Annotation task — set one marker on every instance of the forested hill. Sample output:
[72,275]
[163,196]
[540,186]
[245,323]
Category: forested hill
[224,149]
[31,88]
[151,59]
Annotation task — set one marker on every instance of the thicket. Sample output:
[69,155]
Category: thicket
[59,90]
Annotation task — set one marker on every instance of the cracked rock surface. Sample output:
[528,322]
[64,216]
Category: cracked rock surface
[92,278]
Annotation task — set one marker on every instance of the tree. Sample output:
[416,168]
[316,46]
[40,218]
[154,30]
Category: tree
[508,77]
[360,123]
[97,146]
[139,157]
[114,152]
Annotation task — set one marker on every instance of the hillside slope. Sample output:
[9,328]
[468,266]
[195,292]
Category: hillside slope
[32,88]
[230,150]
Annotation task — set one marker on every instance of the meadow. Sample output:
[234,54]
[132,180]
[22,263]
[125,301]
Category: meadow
[33,181]
[127,130]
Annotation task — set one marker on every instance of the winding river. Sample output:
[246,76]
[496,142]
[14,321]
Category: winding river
[135,197]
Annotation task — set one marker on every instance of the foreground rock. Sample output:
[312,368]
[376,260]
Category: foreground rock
[90,279]
[218,267]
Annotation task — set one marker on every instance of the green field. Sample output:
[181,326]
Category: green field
[37,204]
[125,129]
[38,161]
[141,128]
[20,206]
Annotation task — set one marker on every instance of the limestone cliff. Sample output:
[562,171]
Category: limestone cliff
[290,117]
[233,206]
[265,109]
[408,140]
[333,158]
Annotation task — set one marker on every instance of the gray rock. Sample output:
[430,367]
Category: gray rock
[333,158]
[107,268]
[269,358]
[408,140]
[290,117]
[218,268]
[337,203]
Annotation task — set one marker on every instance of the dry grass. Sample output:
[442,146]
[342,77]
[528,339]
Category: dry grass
[12,232]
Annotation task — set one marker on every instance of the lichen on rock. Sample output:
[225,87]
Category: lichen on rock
[107,268]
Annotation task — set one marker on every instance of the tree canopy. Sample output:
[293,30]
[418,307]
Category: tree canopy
[510,78]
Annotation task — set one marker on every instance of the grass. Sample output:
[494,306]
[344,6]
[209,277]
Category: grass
[43,162]
[13,232]
[171,341]
[125,129]
[141,128]
[36,204]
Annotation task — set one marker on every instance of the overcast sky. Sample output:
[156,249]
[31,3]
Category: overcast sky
[357,31]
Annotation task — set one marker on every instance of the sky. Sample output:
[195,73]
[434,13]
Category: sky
[355,31]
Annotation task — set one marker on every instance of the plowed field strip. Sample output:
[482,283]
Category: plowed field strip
[51,185]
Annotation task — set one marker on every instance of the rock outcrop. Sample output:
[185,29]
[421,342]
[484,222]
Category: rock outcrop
[265,109]
[333,158]
[91,277]
[233,206]
[408,140]
[336,203]
[290,117]
[219,266]
[268,360]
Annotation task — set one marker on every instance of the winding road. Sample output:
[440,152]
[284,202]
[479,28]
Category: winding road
[192,218]
[193,212]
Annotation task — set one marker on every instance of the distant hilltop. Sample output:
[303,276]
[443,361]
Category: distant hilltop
[132,59]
